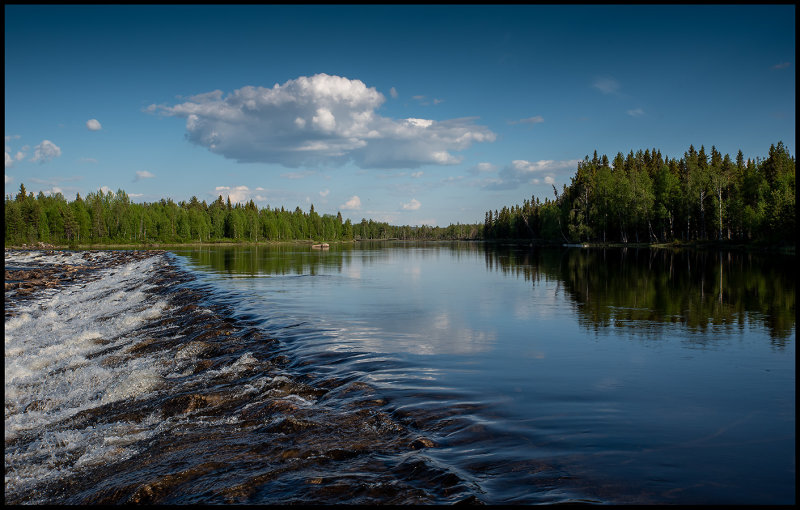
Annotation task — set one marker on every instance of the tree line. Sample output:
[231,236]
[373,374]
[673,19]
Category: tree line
[644,197]
[641,197]
[111,218]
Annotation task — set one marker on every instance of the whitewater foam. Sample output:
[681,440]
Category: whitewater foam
[56,348]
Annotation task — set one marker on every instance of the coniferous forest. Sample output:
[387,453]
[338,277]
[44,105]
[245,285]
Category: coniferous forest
[642,197]
[646,198]
[111,218]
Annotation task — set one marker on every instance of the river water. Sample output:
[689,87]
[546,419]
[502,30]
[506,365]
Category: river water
[407,373]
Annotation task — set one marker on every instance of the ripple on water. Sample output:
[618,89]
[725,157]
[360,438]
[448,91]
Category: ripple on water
[158,394]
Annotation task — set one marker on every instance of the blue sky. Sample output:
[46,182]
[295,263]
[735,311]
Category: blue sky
[409,114]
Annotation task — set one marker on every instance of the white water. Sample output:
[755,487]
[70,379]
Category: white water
[50,374]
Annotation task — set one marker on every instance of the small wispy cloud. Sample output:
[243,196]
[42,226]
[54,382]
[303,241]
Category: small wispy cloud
[413,205]
[393,92]
[87,160]
[45,152]
[606,85]
[483,167]
[536,119]
[142,174]
[352,204]
[324,193]
[238,194]
[93,125]
[521,172]
[423,100]
[637,112]
[782,65]
[416,174]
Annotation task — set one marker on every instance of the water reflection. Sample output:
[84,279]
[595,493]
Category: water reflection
[648,289]
[641,291]
[364,297]
[516,362]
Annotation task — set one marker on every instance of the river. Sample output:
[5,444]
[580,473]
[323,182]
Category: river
[408,373]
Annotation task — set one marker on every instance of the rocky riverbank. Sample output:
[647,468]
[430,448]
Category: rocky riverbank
[29,271]
[128,381]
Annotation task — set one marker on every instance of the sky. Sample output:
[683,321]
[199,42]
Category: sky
[408,114]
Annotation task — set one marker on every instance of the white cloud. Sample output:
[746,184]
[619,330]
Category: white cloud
[320,119]
[416,174]
[93,125]
[324,193]
[87,160]
[445,158]
[412,206]
[520,165]
[485,167]
[521,172]
[393,92]
[9,179]
[638,112]
[606,85]
[45,152]
[142,174]
[19,156]
[782,65]
[9,160]
[238,194]
[105,189]
[353,204]
[437,101]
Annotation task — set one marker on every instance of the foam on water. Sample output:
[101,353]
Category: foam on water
[56,366]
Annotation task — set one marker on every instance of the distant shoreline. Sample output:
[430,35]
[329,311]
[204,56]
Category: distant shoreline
[786,249]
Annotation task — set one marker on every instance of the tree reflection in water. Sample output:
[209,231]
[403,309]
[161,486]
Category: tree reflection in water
[647,289]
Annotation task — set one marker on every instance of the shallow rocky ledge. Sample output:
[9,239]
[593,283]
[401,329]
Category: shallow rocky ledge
[20,284]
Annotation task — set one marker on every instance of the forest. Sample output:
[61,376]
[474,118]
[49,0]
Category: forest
[646,198]
[111,218]
[642,197]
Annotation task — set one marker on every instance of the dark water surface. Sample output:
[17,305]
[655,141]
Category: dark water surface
[612,375]
[414,373]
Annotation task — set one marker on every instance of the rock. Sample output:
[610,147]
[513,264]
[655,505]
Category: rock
[421,442]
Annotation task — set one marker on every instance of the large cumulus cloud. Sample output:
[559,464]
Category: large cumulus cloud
[320,119]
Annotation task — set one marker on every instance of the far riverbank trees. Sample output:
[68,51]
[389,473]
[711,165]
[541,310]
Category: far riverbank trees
[642,197]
